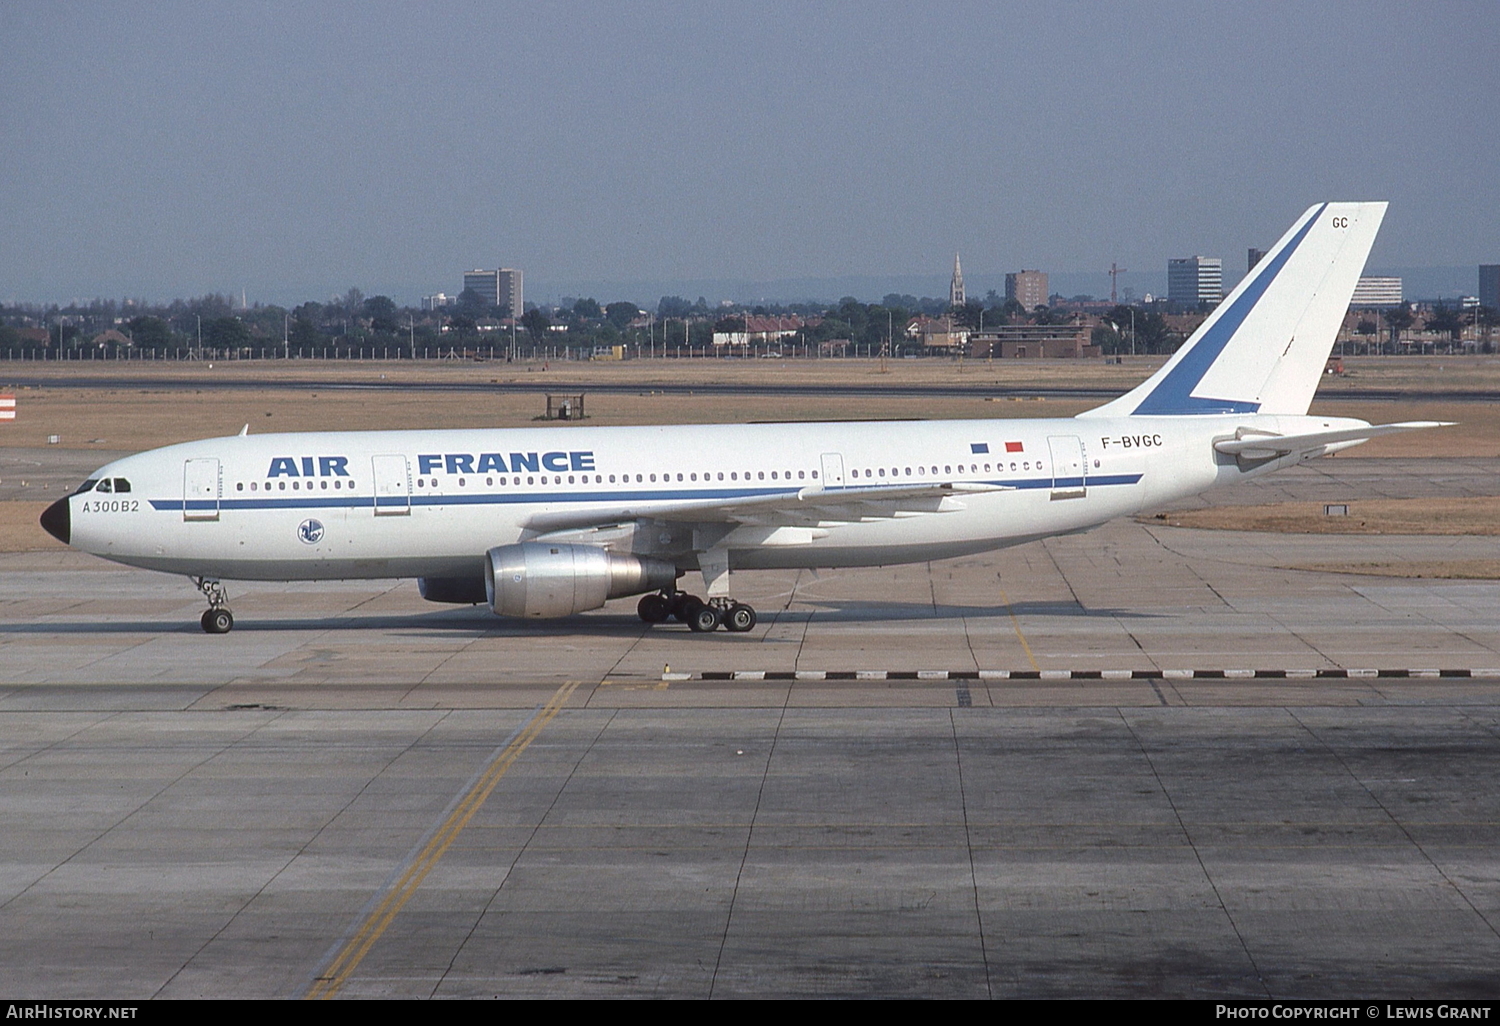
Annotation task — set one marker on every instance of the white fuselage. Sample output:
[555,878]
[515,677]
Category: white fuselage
[430,503]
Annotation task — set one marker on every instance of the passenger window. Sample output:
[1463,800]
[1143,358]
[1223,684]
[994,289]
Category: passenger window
[239,486]
[773,475]
[252,486]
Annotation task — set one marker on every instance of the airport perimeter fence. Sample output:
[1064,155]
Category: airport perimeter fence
[503,354]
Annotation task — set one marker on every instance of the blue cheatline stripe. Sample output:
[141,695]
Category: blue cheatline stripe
[547,498]
[1174,395]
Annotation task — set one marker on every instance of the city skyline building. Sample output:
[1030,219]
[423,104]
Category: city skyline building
[1377,291]
[1029,288]
[501,287]
[956,295]
[1489,286]
[1194,280]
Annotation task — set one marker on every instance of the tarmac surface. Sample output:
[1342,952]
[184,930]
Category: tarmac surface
[358,794]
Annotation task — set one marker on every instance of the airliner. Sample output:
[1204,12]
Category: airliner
[549,522]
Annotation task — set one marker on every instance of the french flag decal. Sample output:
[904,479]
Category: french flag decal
[977,447]
[1014,447]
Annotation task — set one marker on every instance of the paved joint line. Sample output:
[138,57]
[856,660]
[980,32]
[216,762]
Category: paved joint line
[1202,866]
[760,793]
[126,817]
[520,854]
[333,977]
[1396,822]
[963,804]
[301,851]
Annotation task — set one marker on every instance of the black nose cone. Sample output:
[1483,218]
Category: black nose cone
[57,521]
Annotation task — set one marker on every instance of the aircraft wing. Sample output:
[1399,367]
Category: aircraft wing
[805,507]
[1257,445]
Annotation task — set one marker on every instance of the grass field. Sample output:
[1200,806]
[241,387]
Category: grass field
[198,405]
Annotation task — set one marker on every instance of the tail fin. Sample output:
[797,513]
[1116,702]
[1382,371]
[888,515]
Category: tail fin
[1264,348]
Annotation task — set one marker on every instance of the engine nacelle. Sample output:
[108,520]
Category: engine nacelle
[536,579]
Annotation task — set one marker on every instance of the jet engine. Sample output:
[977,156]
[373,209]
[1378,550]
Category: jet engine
[535,579]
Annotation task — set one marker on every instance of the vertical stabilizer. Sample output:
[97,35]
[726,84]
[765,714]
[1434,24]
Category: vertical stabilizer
[1264,347]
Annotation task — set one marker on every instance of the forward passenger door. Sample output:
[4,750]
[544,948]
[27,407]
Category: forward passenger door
[200,489]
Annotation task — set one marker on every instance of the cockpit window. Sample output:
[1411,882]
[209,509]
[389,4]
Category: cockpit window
[105,486]
[121,485]
[87,486]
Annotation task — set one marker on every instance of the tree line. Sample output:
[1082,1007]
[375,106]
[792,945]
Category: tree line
[354,319]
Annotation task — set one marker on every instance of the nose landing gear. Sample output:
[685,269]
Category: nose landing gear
[216,619]
[701,617]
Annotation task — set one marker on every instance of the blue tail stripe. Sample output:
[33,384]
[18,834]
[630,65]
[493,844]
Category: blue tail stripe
[1174,394]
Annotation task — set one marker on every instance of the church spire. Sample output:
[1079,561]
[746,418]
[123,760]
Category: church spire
[956,289]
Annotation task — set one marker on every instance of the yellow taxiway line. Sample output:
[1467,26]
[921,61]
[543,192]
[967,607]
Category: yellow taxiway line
[332,979]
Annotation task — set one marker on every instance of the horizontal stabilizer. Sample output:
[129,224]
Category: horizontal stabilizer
[1257,446]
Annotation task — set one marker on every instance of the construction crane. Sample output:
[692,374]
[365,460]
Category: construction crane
[1114,274]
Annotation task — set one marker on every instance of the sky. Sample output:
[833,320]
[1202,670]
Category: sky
[163,149]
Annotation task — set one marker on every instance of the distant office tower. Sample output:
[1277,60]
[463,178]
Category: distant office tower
[436,301]
[1029,288]
[1195,280]
[956,287]
[498,288]
[1489,286]
[1254,257]
[1377,292]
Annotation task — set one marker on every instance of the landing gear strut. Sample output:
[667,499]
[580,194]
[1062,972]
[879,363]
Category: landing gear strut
[700,616]
[217,619]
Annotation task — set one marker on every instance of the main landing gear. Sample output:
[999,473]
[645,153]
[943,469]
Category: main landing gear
[217,619]
[701,617]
